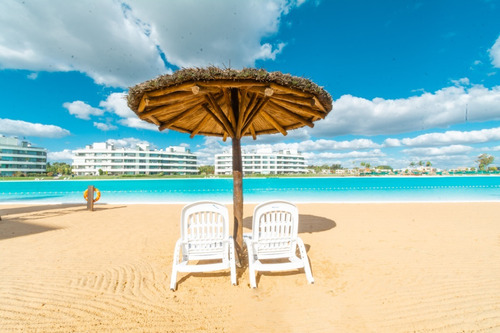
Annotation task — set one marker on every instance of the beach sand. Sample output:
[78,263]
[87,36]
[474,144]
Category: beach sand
[409,267]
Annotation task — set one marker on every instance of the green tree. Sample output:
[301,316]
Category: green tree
[428,164]
[59,168]
[335,167]
[484,160]
[319,168]
[206,169]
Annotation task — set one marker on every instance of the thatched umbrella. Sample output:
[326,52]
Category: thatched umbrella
[230,103]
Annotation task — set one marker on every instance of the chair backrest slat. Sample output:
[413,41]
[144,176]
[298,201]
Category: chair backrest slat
[204,225]
[275,226]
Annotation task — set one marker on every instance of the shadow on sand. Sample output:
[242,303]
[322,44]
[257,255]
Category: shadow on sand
[15,221]
[307,223]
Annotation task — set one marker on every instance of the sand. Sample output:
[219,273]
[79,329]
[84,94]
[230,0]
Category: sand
[378,268]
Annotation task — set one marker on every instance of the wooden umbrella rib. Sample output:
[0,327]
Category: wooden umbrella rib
[179,129]
[258,107]
[252,131]
[154,112]
[166,124]
[227,101]
[242,108]
[290,114]
[154,120]
[186,86]
[142,103]
[170,108]
[262,90]
[269,131]
[216,118]
[245,111]
[170,98]
[273,122]
[306,101]
[298,108]
[200,125]
[220,114]
[200,89]
[288,90]
[319,105]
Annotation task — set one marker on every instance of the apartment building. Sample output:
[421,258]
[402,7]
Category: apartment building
[141,160]
[263,161]
[18,156]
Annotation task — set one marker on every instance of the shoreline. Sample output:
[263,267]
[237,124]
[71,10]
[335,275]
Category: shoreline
[134,203]
[250,177]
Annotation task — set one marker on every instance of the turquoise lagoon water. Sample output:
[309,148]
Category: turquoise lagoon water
[356,189]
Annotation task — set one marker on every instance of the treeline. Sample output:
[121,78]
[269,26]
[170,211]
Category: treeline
[59,168]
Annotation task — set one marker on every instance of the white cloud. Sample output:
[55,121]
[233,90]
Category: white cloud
[82,110]
[116,103]
[389,142]
[461,82]
[346,159]
[224,32]
[33,76]
[128,142]
[359,116]
[60,156]
[99,38]
[104,127]
[495,53]
[121,43]
[351,155]
[299,134]
[441,151]
[267,51]
[448,138]
[317,145]
[211,146]
[138,123]
[23,128]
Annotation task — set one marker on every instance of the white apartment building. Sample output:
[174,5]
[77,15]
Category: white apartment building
[141,160]
[263,161]
[18,155]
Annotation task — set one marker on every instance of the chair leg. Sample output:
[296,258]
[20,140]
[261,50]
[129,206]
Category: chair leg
[232,261]
[173,277]
[305,260]
[251,268]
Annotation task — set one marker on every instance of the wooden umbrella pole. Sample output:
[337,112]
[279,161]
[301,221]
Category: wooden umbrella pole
[237,181]
[237,199]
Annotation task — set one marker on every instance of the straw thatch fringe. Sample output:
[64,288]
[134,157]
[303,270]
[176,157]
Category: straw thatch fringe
[214,73]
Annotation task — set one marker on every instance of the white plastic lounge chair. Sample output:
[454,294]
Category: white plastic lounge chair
[204,236]
[275,236]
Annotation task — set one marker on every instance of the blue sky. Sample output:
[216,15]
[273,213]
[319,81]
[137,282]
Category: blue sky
[411,80]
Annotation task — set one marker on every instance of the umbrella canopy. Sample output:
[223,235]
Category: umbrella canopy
[230,103]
